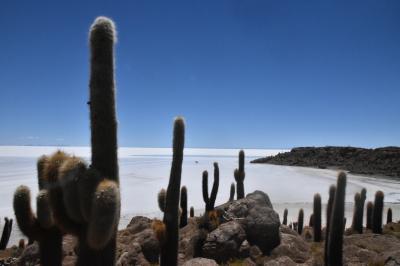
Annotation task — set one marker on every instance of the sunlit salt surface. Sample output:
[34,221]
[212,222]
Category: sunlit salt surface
[144,171]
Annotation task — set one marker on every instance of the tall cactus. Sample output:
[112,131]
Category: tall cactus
[184,213]
[169,250]
[362,203]
[370,209]
[300,221]
[285,213]
[377,213]
[332,191]
[389,216]
[357,214]
[210,200]
[335,244]
[316,220]
[239,176]
[232,193]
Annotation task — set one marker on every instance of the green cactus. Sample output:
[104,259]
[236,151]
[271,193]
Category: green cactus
[48,236]
[232,193]
[300,221]
[357,214]
[370,209]
[191,212]
[332,191]
[377,213]
[316,218]
[169,250]
[285,214]
[5,236]
[389,216]
[210,200]
[239,176]
[337,224]
[184,214]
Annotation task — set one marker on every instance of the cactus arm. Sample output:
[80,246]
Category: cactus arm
[214,190]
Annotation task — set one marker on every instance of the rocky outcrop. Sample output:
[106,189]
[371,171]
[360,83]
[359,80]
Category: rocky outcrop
[380,162]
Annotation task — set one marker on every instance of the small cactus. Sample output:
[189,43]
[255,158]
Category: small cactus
[210,200]
[389,216]
[377,213]
[311,221]
[239,176]
[357,214]
[169,250]
[337,224]
[191,212]
[5,237]
[184,214]
[161,199]
[316,218]
[285,214]
[300,221]
[232,193]
[370,209]
[21,244]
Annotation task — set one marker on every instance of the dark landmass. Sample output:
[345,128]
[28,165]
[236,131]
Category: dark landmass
[379,162]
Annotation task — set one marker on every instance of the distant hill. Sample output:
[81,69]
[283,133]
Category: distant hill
[380,162]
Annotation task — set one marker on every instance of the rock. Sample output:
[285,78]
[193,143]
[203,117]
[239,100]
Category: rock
[280,261]
[200,262]
[191,240]
[30,256]
[224,242]
[255,253]
[244,250]
[294,247]
[133,257]
[257,217]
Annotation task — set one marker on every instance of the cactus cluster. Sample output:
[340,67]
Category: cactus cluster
[5,236]
[210,199]
[239,176]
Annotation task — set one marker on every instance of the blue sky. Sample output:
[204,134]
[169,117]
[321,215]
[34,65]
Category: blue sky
[244,74]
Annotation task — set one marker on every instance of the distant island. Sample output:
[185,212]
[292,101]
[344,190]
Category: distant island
[379,162]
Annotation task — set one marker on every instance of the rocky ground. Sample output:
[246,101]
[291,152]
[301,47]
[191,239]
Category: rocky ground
[379,162]
[246,232]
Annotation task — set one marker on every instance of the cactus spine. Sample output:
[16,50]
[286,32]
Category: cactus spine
[316,218]
[184,214]
[239,176]
[335,244]
[370,208]
[210,200]
[377,213]
[285,213]
[169,251]
[191,212]
[232,193]
[300,221]
[389,216]
[357,215]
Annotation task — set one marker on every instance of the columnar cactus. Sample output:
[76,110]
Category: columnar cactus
[169,250]
[377,213]
[191,212]
[311,221]
[335,244]
[389,216]
[370,209]
[285,213]
[184,214]
[357,214]
[332,191]
[362,203]
[232,193]
[161,199]
[5,237]
[210,200]
[316,220]
[239,176]
[300,221]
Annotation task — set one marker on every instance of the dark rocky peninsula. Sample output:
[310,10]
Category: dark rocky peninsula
[379,162]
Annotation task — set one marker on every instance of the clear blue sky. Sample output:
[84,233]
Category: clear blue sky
[251,74]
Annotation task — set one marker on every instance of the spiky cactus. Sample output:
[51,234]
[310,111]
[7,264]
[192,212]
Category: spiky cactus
[300,221]
[184,214]
[335,244]
[316,218]
[285,213]
[239,176]
[191,212]
[5,237]
[357,214]
[377,213]
[210,200]
[232,193]
[389,216]
[332,191]
[169,250]
[370,209]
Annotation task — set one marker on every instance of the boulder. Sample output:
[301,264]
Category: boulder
[224,242]
[133,257]
[200,262]
[294,247]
